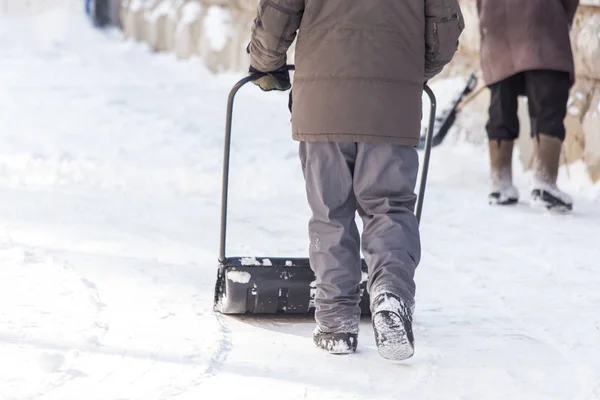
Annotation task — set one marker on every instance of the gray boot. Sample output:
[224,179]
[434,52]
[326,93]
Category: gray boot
[392,325]
[546,160]
[503,191]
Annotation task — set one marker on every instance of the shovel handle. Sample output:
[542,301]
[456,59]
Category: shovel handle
[226,156]
[227,148]
[426,156]
[478,89]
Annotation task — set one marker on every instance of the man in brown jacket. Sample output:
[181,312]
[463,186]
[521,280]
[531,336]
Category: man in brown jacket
[360,70]
[525,50]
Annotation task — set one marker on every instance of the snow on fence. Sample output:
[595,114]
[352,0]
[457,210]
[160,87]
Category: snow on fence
[217,31]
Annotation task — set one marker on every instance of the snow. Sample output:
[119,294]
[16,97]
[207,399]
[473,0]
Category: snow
[110,171]
[339,346]
[250,261]
[217,27]
[164,7]
[239,276]
[190,12]
[247,261]
[136,5]
[389,304]
[364,277]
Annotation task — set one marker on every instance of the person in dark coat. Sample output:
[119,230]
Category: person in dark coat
[356,111]
[526,50]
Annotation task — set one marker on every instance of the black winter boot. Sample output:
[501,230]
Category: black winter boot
[336,342]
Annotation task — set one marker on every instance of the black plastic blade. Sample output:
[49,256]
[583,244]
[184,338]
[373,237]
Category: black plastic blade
[270,285]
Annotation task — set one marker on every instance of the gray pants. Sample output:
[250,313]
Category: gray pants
[378,181]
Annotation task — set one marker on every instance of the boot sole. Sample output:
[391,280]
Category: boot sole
[391,337]
[558,209]
[496,199]
[543,200]
[508,202]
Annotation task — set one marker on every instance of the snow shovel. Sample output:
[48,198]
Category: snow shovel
[472,88]
[273,285]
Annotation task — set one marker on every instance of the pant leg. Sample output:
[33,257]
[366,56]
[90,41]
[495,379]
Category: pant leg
[334,239]
[503,120]
[384,185]
[547,93]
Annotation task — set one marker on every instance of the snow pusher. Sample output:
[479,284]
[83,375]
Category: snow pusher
[271,285]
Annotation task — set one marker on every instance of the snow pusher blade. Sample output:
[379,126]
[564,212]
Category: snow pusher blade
[270,285]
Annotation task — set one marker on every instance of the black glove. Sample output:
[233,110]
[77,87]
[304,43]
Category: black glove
[274,80]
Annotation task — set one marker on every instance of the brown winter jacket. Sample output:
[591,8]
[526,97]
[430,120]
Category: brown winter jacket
[521,35]
[360,64]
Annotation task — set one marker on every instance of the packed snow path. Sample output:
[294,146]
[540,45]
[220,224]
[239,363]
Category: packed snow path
[110,162]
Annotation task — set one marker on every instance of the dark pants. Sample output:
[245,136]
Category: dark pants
[547,94]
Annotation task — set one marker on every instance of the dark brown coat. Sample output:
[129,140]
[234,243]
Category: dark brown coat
[360,64]
[521,35]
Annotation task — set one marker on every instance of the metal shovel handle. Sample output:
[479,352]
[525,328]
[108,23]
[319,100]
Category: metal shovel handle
[227,151]
[426,156]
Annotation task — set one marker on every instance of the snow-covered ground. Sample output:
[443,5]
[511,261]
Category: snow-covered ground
[110,163]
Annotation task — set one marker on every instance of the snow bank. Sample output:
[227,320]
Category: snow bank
[216,32]
[217,27]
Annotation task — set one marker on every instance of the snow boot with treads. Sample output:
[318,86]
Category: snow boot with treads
[392,324]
